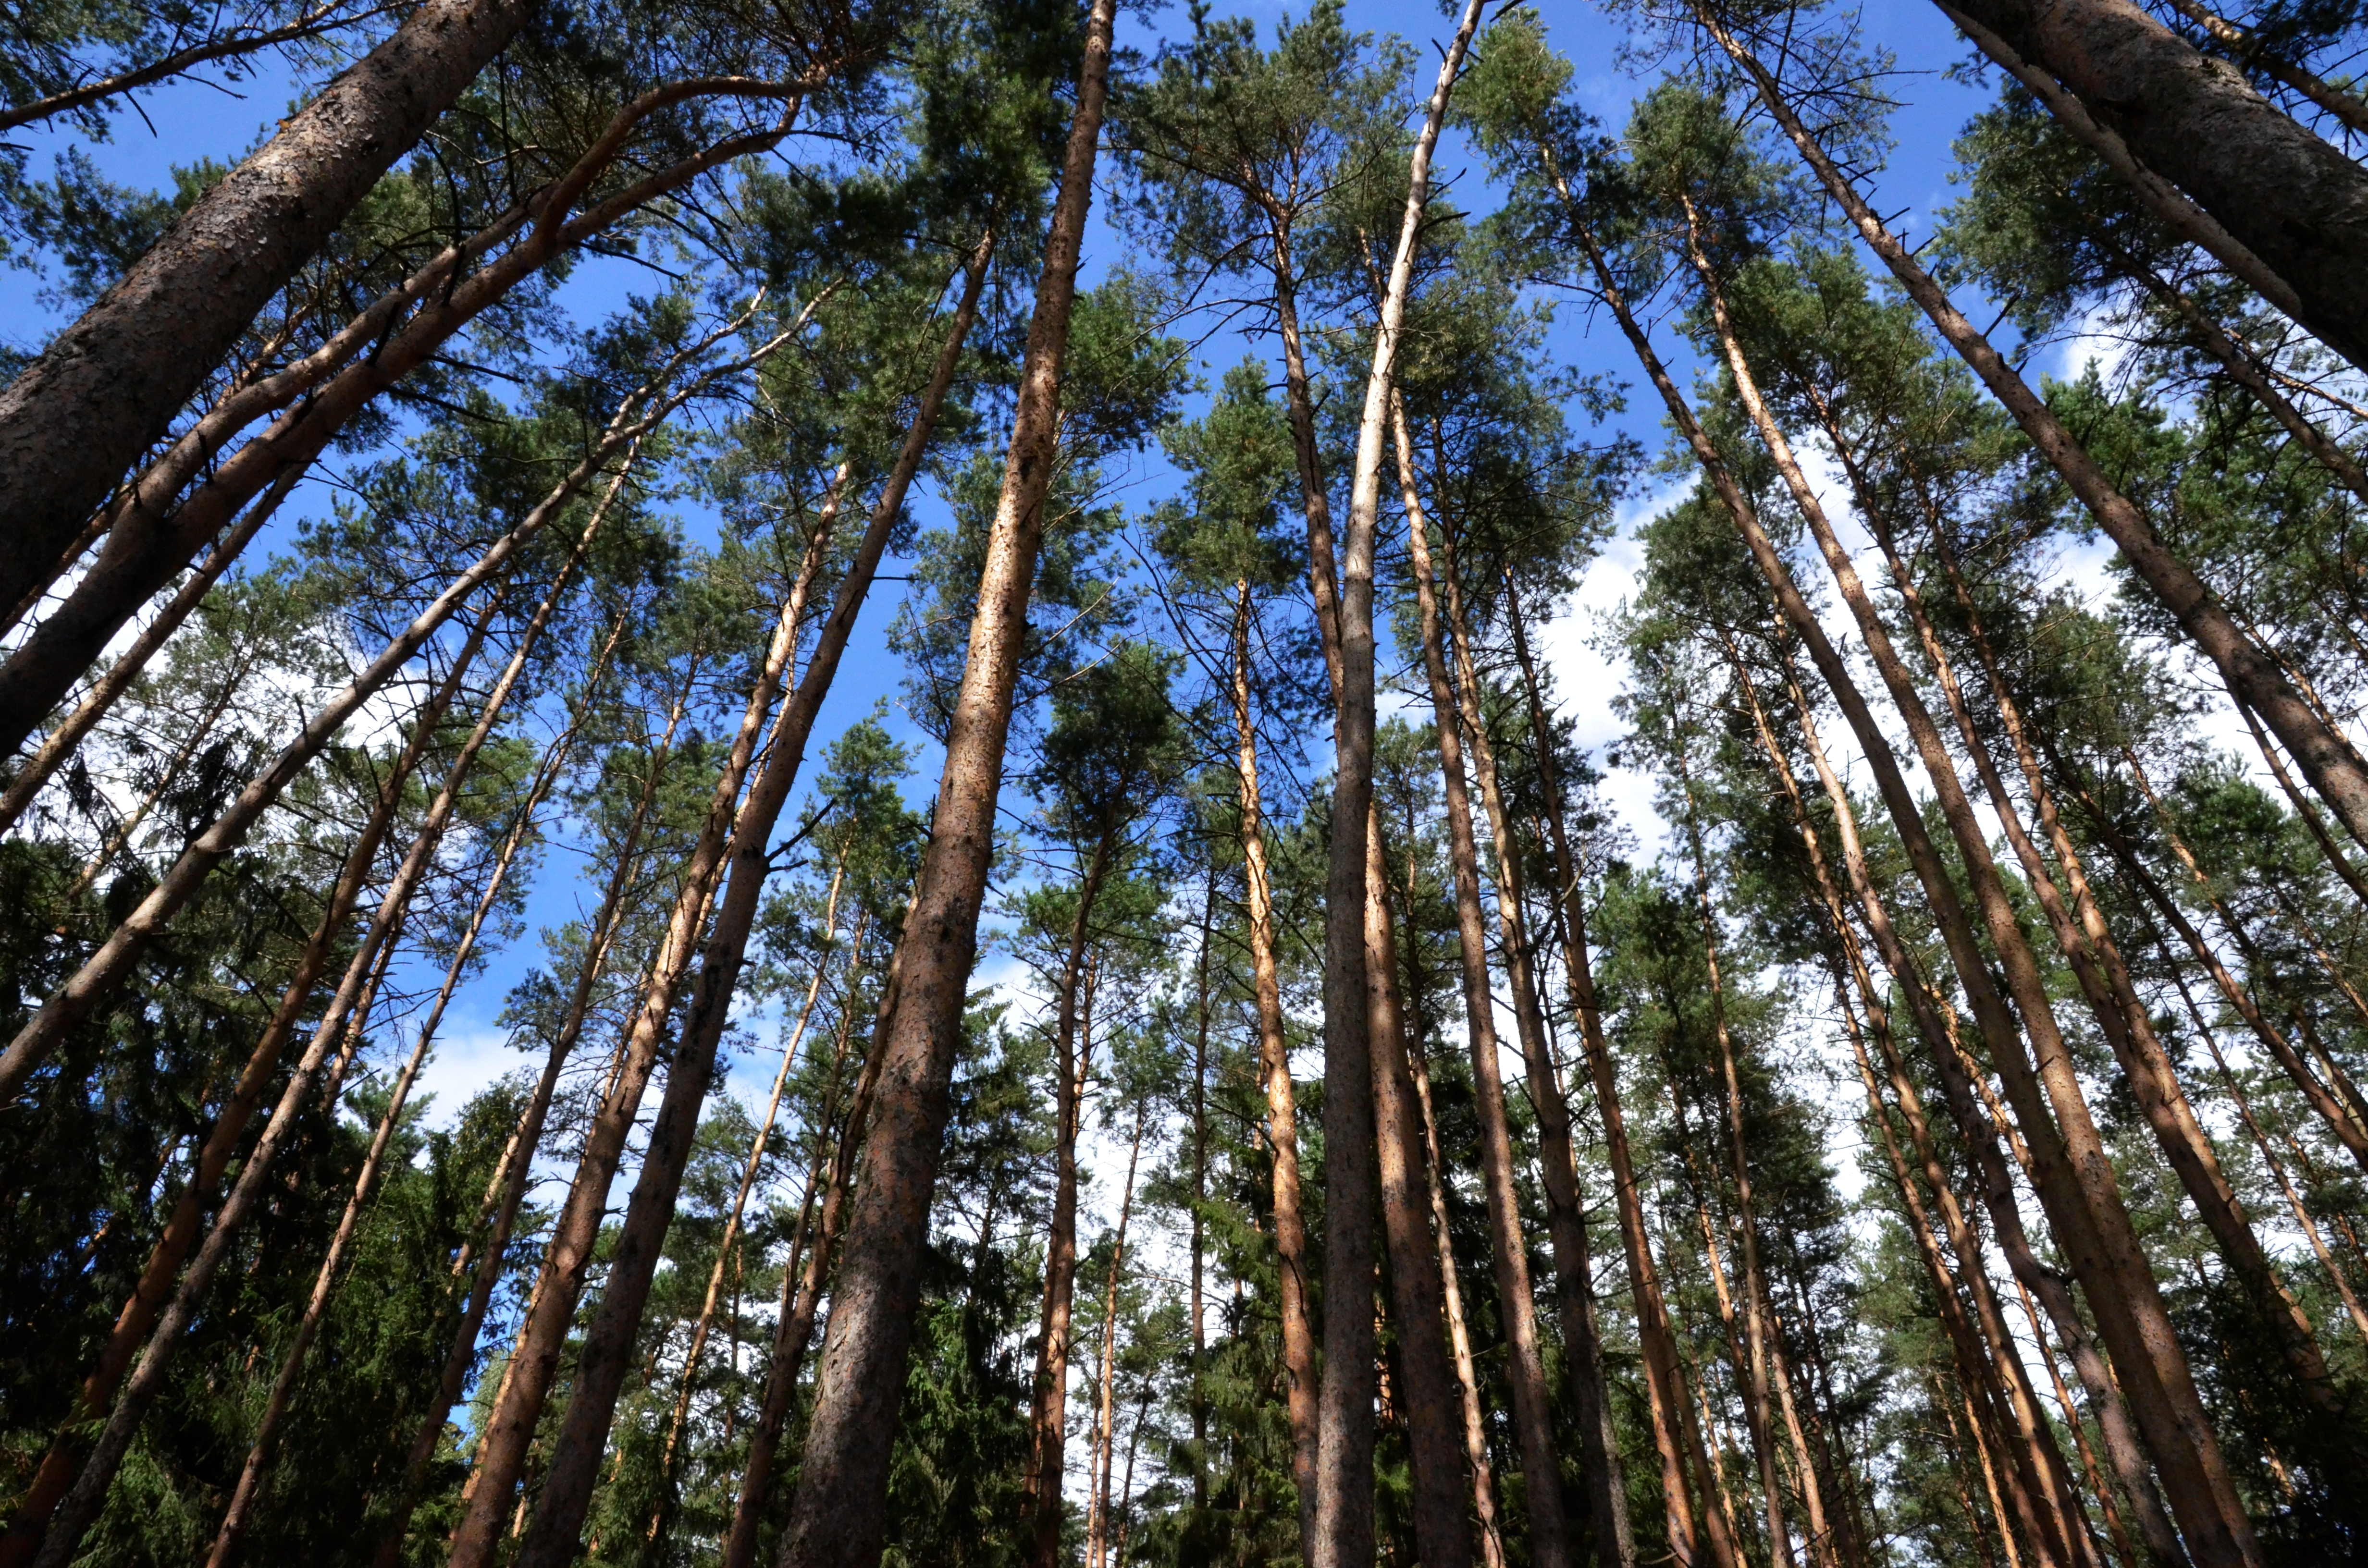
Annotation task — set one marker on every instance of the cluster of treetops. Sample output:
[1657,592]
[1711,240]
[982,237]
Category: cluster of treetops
[1227,1125]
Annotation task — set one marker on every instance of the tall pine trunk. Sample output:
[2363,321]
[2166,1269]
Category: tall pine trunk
[838,1521]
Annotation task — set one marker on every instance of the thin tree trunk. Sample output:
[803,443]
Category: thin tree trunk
[182,1227]
[2334,768]
[519,1159]
[2037,1481]
[2337,1117]
[1105,1434]
[2076,1178]
[802,1285]
[1525,1366]
[1041,1502]
[105,971]
[1664,1379]
[1199,1399]
[724,1252]
[2303,1220]
[291,1366]
[1997,1186]
[1274,1071]
[1557,1162]
[108,386]
[510,1428]
[1459,1337]
[2097,964]
[838,1521]
[2296,200]
[1754,1376]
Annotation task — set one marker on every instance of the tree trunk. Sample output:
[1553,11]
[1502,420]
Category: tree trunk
[1459,1335]
[150,538]
[1274,1071]
[2097,964]
[1426,1370]
[2037,1481]
[283,1388]
[2295,201]
[62,741]
[1048,1421]
[1105,1432]
[802,1287]
[724,1252]
[1525,1367]
[510,1428]
[2335,769]
[106,969]
[838,1521]
[108,386]
[2076,1178]
[1664,1378]
[524,1142]
[1557,1162]
[1997,1186]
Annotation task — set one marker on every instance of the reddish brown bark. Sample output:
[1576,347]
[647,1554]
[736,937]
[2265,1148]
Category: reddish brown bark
[838,1521]
[518,1158]
[1274,1071]
[2076,1178]
[1673,1436]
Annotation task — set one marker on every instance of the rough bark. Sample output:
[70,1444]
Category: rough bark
[2295,201]
[108,386]
[1525,1366]
[838,1521]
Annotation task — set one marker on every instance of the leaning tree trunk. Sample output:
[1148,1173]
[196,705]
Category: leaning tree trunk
[2076,1178]
[840,1517]
[526,1139]
[2291,198]
[1557,1163]
[181,1232]
[109,385]
[1040,1505]
[2334,767]
[1665,1386]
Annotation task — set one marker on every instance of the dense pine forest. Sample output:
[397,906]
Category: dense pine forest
[1008,784]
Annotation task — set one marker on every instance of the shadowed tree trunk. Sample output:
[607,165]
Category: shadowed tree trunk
[2292,199]
[1525,1367]
[108,386]
[838,1519]
[2334,768]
